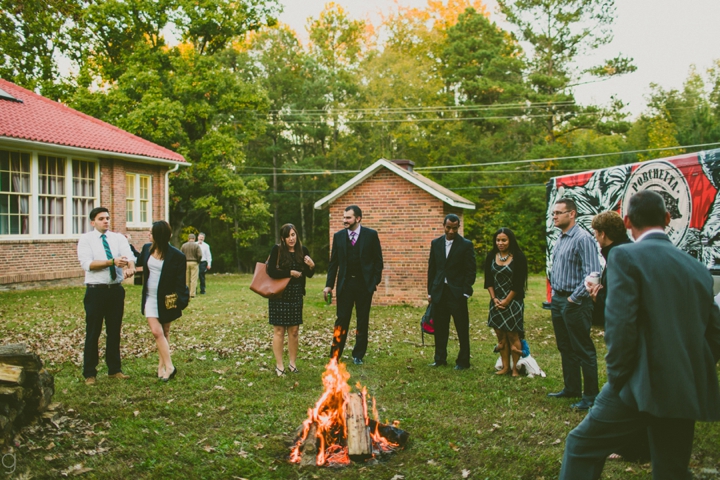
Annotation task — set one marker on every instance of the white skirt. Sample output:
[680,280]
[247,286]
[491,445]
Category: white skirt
[151,305]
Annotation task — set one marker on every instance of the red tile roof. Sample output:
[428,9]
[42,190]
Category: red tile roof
[39,119]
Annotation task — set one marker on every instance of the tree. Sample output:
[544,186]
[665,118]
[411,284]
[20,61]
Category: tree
[33,34]
[559,32]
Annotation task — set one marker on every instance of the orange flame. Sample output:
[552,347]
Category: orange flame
[328,417]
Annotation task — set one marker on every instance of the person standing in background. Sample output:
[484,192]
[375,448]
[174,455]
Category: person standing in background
[575,256]
[205,262]
[193,254]
[450,279]
[107,259]
[356,262]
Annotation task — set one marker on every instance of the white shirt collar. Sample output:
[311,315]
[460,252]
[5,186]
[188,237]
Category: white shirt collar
[648,232]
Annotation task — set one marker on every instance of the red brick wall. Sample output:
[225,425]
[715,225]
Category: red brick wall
[407,219]
[46,260]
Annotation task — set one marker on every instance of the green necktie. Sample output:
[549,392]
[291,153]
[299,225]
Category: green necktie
[113,273]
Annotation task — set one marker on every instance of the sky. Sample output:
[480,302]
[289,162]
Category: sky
[664,37]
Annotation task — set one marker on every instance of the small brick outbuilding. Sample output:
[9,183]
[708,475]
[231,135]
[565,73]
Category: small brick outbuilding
[57,164]
[407,209]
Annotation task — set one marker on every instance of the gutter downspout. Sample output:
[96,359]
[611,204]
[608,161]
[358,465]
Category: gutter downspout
[167,190]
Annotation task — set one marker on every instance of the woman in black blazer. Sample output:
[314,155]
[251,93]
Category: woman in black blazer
[289,259]
[506,275]
[163,275]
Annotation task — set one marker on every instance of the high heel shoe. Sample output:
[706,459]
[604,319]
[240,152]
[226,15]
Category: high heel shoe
[279,372]
[170,377]
[293,369]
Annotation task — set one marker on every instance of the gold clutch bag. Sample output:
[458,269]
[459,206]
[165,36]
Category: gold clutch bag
[171,301]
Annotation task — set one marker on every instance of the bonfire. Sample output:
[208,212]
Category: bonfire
[338,429]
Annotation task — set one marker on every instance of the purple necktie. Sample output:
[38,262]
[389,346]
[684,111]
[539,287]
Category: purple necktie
[352,238]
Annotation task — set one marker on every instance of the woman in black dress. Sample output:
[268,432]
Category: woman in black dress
[506,280]
[289,259]
[163,275]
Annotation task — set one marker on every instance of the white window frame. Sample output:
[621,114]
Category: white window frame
[34,230]
[137,201]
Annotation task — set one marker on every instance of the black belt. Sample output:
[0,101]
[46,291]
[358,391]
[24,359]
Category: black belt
[102,285]
[562,293]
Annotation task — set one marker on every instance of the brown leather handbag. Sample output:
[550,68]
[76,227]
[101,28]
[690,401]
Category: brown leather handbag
[266,286]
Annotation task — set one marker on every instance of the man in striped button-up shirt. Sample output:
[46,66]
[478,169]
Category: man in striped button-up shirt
[575,256]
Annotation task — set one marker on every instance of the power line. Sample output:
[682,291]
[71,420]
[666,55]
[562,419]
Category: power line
[497,106]
[571,157]
[449,119]
[500,186]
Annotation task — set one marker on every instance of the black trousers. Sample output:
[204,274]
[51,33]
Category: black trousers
[571,322]
[457,308]
[611,426]
[201,275]
[354,294]
[103,304]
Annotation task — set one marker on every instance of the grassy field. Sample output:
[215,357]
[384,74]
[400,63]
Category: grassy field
[227,415]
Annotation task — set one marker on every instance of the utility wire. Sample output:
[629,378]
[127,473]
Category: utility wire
[571,157]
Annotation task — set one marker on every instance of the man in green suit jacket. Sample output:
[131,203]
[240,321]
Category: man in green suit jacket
[663,341]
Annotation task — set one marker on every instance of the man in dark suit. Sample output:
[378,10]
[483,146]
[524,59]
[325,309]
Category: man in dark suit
[662,329]
[357,263]
[451,275]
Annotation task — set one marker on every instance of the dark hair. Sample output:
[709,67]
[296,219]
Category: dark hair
[95,211]
[514,247]
[285,257]
[611,224]
[356,210]
[569,204]
[161,233]
[451,217]
[647,209]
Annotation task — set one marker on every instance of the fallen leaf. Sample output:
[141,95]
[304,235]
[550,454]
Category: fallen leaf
[259,446]
[208,449]
[398,477]
[243,453]
[557,440]
[250,384]
[219,387]
[50,446]
[465,473]
[136,413]
[199,414]
[431,462]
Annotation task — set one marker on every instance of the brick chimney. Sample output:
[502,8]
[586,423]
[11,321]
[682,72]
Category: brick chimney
[406,164]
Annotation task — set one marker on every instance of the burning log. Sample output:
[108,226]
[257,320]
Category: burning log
[338,429]
[309,448]
[358,434]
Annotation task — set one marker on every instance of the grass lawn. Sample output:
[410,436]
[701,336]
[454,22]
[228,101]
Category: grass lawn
[227,415]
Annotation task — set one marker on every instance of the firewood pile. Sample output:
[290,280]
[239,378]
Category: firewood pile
[26,389]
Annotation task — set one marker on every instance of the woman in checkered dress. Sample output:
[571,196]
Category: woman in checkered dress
[506,281]
[291,260]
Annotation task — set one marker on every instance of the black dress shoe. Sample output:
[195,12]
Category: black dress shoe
[438,364]
[564,394]
[582,405]
[462,367]
[357,361]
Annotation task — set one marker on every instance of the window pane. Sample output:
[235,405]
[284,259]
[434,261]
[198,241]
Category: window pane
[15,183]
[83,194]
[51,201]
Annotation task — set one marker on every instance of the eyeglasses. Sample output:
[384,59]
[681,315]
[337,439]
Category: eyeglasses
[557,214]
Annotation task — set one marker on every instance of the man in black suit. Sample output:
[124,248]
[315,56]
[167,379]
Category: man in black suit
[357,263]
[662,329]
[451,275]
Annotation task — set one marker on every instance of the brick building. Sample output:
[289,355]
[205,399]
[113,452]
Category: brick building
[407,210]
[57,164]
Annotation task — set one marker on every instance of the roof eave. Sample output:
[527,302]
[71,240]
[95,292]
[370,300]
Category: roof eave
[19,142]
[369,171]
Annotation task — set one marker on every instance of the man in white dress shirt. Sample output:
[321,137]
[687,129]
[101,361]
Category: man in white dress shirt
[107,259]
[205,263]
